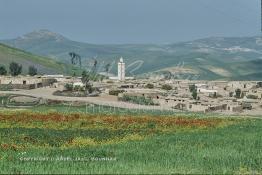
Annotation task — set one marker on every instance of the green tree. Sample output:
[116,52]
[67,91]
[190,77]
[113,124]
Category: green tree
[86,81]
[32,71]
[15,69]
[192,88]
[3,70]
[69,87]
[150,86]
[167,87]
[238,93]
[194,94]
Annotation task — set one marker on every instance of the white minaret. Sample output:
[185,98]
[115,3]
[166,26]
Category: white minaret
[121,69]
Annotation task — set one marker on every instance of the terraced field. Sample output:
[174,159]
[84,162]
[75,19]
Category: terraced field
[48,139]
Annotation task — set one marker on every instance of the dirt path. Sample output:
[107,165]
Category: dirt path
[105,100]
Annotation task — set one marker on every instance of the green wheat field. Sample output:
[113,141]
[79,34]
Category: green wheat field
[79,140]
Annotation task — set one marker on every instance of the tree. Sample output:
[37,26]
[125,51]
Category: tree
[75,58]
[3,70]
[15,69]
[259,84]
[167,87]
[150,86]
[194,94]
[238,93]
[69,87]
[215,95]
[32,71]
[192,88]
[86,81]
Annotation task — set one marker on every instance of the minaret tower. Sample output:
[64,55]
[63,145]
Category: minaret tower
[121,69]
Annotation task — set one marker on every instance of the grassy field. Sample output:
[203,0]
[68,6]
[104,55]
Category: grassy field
[78,140]
[26,59]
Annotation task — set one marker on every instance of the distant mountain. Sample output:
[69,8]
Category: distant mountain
[44,65]
[210,58]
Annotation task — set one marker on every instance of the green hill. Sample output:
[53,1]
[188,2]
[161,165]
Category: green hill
[44,65]
[210,59]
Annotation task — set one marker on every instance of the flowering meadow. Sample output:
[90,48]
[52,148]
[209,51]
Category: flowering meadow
[55,142]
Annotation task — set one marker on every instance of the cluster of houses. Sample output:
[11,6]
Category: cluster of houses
[25,82]
[212,96]
[33,82]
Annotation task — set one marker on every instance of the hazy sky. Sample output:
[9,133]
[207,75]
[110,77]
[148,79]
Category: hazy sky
[131,21]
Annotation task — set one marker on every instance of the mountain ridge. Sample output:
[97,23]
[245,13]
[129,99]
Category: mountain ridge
[210,58]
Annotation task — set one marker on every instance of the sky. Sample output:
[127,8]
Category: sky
[131,21]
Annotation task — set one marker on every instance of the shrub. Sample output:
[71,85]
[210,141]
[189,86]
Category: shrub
[77,88]
[115,92]
[69,87]
[137,100]
[90,88]
[250,96]
[167,87]
[149,86]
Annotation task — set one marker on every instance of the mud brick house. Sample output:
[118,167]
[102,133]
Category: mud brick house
[24,82]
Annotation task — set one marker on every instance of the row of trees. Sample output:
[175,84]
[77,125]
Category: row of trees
[15,69]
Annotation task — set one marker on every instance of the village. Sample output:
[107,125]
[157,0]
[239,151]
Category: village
[225,97]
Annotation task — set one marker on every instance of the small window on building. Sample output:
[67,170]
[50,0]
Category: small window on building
[24,82]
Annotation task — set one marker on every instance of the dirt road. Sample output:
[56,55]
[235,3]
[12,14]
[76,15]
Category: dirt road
[105,100]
